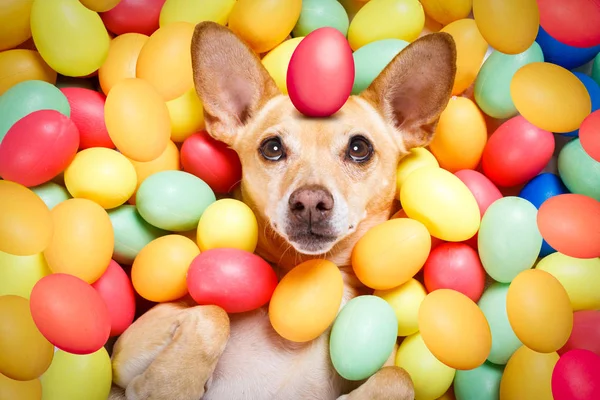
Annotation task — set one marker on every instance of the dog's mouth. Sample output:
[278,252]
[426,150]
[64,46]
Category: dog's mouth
[312,243]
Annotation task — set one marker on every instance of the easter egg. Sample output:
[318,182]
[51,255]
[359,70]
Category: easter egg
[159,271]
[405,300]
[460,135]
[87,113]
[321,73]
[440,201]
[446,12]
[362,337]
[391,253]
[15,23]
[173,200]
[484,191]
[579,172]
[87,253]
[371,59]
[528,375]
[38,147]
[585,333]
[276,62]
[24,353]
[504,341]
[100,5]
[595,73]
[133,16]
[386,19]
[589,135]
[573,23]
[195,12]
[21,65]
[306,300]
[431,378]
[70,37]
[264,24]
[51,193]
[481,383]
[454,329]
[492,85]
[121,61]
[418,157]
[18,274]
[516,152]
[137,119]
[562,54]
[550,97]
[576,376]
[233,279]
[25,222]
[187,115]
[73,376]
[20,390]
[317,14]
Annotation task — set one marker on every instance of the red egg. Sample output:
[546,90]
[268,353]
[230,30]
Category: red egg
[585,333]
[87,112]
[570,224]
[70,313]
[321,73]
[484,191]
[573,22]
[116,290]
[212,161]
[576,376]
[137,16]
[589,135]
[233,279]
[516,152]
[38,147]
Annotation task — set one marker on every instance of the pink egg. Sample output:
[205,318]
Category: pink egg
[484,191]
[321,73]
[576,376]
[585,333]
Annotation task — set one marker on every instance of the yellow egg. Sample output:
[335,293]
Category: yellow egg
[23,65]
[386,19]
[454,329]
[431,378]
[121,61]
[470,51]
[528,375]
[15,27]
[11,389]
[391,253]
[442,202]
[460,136]
[539,310]
[447,11]
[307,300]
[580,278]
[196,11]
[100,5]
[187,115]
[418,157]
[405,300]
[509,26]
[277,60]
[18,274]
[102,175]
[264,24]
[550,97]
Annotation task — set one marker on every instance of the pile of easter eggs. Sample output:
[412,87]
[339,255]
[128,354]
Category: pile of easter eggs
[114,197]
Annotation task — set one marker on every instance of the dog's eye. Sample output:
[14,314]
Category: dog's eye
[272,149]
[359,149]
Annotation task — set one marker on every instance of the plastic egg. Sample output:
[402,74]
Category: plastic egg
[70,37]
[187,115]
[405,300]
[588,135]
[371,59]
[562,54]
[585,333]
[595,73]
[25,222]
[121,62]
[195,12]
[21,65]
[418,157]
[15,23]
[444,204]
[233,279]
[481,383]
[87,253]
[574,23]
[575,376]
[277,61]
[25,354]
[386,19]
[460,135]
[264,24]
[137,119]
[528,375]
[87,113]
[133,16]
[18,274]
[306,301]
[447,11]
[550,97]
[471,48]
[38,147]
[320,85]
[492,85]
[20,390]
[579,172]
[484,191]
[100,5]
[362,337]
[391,253]
[51,193]
[430,377]
[317,14]
[159,271]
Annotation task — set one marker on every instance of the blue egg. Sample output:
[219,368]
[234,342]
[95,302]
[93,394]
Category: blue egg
[562,54]
[594,91]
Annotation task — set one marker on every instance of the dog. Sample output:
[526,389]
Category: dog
[316,185]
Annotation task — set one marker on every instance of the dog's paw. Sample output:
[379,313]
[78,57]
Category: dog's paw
[389,383]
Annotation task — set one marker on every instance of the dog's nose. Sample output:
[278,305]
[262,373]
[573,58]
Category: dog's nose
[311,204]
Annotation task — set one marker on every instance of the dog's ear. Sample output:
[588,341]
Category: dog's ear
[415,87]
[229,78]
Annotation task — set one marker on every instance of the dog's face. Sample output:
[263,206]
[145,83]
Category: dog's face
[314,183]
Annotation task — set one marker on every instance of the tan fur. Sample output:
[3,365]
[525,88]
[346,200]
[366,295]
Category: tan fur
[180,351]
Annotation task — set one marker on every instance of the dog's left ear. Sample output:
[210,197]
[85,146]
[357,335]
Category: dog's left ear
[415,87]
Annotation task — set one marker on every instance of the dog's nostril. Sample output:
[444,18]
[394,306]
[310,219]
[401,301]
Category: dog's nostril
[322,207]
[298,206]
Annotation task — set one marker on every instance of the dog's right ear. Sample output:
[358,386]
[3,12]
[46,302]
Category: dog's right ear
[229,78]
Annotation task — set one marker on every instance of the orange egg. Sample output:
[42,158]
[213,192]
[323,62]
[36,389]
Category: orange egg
[121,61]
[528,375]
[23,65]
[20,390]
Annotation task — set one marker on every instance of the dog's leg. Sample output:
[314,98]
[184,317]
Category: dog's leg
[389,383]
[169,352]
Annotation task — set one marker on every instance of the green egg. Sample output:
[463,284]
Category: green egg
[371,59]
[362,337]
[579,172]
[51,193]
[492,86]
[596,69]
[481,383]
[173,200]
[317,14]
[29,96]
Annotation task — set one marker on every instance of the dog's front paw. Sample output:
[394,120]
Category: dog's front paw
[389,383]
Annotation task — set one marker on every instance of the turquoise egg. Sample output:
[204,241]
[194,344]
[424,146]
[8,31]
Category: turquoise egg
[362,337]
[173,200]
[371,59]
[51,193]
[492,86]
[596,69]
[579,172]
[317,14]
[481,383]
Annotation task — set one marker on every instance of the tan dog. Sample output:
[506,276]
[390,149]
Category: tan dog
[316,186]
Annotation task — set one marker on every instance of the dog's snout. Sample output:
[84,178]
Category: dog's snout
[311,204]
